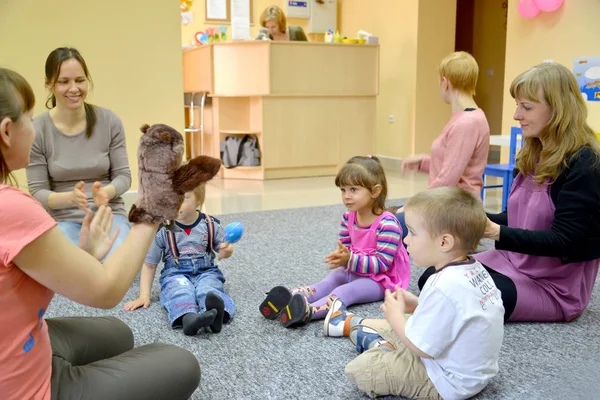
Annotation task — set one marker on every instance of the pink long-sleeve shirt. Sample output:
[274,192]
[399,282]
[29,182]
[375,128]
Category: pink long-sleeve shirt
[459,155]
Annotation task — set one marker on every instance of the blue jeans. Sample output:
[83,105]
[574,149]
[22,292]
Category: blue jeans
[402,220]
[72,229]
[184,286]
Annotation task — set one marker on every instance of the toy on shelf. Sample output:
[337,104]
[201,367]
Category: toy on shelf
[233,232]
[212,34]
[186,5]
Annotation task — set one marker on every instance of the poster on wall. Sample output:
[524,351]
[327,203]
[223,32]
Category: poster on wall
[587,73]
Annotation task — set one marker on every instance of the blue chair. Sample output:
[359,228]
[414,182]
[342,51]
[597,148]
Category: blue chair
[504,171]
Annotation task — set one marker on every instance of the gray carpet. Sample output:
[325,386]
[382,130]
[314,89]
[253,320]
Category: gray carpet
[253,358]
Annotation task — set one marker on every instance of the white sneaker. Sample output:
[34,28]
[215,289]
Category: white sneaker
[335,321]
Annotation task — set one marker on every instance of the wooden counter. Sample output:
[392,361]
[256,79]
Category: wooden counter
[311,105]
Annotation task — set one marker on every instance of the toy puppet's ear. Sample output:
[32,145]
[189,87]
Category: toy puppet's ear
[197,171]
[144,128]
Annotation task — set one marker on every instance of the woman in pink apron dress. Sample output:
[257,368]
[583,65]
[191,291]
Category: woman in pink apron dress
[369,258]
[547,243]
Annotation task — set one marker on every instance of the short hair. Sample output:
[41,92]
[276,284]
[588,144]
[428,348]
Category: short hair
[451,210]
[461,70]
[200,194]
[274,13]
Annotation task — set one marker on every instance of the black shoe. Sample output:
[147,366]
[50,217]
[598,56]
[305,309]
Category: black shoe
[297,312]
[214,302]
[276,300]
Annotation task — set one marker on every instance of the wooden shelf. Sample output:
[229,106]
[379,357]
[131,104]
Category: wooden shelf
[239,132]
[243,173]
[325,115]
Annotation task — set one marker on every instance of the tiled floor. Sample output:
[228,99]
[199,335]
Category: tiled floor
[236,196]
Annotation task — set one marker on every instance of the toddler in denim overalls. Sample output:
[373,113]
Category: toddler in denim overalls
[191,284]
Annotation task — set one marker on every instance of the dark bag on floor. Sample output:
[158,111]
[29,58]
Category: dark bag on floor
[240,151]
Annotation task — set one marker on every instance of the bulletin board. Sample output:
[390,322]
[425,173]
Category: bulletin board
[221,10]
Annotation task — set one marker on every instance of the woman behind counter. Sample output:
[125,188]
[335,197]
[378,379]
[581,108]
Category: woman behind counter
[274,21]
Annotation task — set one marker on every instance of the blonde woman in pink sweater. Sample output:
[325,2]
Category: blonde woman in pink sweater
[459,155]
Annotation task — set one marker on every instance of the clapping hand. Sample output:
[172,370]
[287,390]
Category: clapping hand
[95,237]
[78,196]
[339,257]
[99,195]
[394,305]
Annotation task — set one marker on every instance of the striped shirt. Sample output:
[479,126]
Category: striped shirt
[192,241]
[378,261]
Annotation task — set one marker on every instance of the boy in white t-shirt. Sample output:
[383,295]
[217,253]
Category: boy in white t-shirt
[449,347]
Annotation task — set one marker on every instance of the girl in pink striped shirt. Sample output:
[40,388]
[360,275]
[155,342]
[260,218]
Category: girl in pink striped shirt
[369,257]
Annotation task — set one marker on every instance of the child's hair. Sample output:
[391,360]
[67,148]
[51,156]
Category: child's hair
[200,194]
[461,70]
[450,210]
[274,13]
[567,131]
[16,98]
[366,172]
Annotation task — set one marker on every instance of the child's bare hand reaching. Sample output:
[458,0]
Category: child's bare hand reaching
[225,251]
[142,301]
[339,257]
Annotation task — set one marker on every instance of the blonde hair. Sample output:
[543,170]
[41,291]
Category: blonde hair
[200,194]
[450,210]
[461,70]
[566,132]
[365,172]
[16,98]
[274,13]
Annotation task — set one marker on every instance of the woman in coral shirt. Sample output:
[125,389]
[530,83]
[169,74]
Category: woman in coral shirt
[69,358]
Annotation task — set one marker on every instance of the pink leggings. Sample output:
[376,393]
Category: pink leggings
[349,287]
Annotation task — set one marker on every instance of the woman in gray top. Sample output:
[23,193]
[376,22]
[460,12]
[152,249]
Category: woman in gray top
[78,160]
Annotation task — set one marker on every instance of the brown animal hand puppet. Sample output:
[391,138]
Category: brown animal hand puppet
[163,178]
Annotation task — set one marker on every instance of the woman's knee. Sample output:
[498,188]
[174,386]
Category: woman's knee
[120,331]
[174,364]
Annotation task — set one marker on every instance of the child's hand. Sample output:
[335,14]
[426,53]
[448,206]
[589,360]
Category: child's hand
[143,300]
[410,300]
[393,306]
[225,251]
[339,257]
